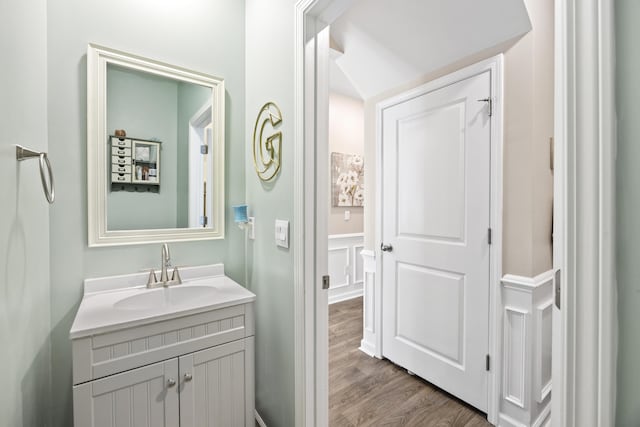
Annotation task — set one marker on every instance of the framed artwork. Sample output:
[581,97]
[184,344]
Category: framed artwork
[347,180]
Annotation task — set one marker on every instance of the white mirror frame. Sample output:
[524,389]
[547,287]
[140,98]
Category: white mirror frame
[97,181]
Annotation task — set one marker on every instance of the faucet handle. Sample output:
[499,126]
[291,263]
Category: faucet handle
[175,276]
[153,279]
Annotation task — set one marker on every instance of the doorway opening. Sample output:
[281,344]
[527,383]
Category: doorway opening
[426,195]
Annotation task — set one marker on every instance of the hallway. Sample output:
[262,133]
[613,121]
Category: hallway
[365,391]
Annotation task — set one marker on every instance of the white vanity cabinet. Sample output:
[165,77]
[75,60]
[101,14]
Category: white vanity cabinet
[140,397]
[182,370]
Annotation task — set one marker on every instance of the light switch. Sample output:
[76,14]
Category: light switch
[347,215]
[282,233]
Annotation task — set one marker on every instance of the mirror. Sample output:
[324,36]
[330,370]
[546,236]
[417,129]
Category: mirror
[155,151]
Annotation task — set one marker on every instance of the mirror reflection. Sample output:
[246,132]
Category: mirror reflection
[160,156]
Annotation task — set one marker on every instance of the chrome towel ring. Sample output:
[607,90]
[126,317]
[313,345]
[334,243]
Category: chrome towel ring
[23,153]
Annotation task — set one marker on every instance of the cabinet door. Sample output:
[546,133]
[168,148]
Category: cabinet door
[216,386]
[136,398]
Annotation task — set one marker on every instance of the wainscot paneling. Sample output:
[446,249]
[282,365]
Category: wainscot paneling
[370,332]
[526,350]
[345,266]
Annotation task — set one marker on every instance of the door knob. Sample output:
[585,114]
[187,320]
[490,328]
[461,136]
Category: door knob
[386,248]
[171,382]
[188,377]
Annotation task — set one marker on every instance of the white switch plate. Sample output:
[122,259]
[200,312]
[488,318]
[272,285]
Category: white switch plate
[347,215]
[252,228]
[282,233]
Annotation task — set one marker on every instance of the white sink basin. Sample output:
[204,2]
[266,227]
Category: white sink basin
[116,302]
[175,295]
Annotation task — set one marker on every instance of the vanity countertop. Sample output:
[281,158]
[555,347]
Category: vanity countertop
[119,302]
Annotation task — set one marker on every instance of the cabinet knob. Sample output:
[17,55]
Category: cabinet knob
[188,377]
[171,382]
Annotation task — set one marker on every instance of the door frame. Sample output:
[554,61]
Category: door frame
[585,342]
[495,66]
[584,40]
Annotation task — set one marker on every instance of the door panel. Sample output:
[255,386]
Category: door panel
[435,198]
[438,211]
[424,294]
[137,398]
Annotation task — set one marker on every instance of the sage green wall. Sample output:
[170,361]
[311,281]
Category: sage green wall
[628,211]
[270,76]
[205,35]
[25,324]
[190,99]
[146,106]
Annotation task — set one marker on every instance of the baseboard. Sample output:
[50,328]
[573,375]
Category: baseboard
[544,419]
[507,421]
[367,349]
[259,419]
[345,296]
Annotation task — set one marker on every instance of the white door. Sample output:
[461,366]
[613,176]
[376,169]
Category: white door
[143,397]
[215,386]
[435,217]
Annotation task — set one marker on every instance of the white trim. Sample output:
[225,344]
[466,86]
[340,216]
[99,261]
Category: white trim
[369,302]
[259,419]
[495,67]
[199,121]
[584,371]
[345,236]
[509,368]
[541,389]
[98,235]
[303,261]
[345,296]
[531,297]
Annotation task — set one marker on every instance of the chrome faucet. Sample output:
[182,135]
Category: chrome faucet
[153,282]
[166,263]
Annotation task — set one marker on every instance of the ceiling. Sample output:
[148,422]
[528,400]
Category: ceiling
[389,43]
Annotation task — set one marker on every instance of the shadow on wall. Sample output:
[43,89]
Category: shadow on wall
[24,307]
[36,398]
[62,374]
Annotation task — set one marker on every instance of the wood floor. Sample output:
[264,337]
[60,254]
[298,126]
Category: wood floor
[365,391]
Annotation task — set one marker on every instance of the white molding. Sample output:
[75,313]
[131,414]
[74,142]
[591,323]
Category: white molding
[507,421]
[259,419]
[345,236]
[346,267]
[303,250]
[585,381]
[527,284]
[372,304]
[97,184]
[544,418]
[495,66]
[532,297]
[511,367]
[541,387]
[345,296]
[354,256]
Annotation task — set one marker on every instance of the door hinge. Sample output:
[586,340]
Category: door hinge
[558,288]
[204,149]
[488,363]
[490,102]
[489,238]
[326,281]
[204,220]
